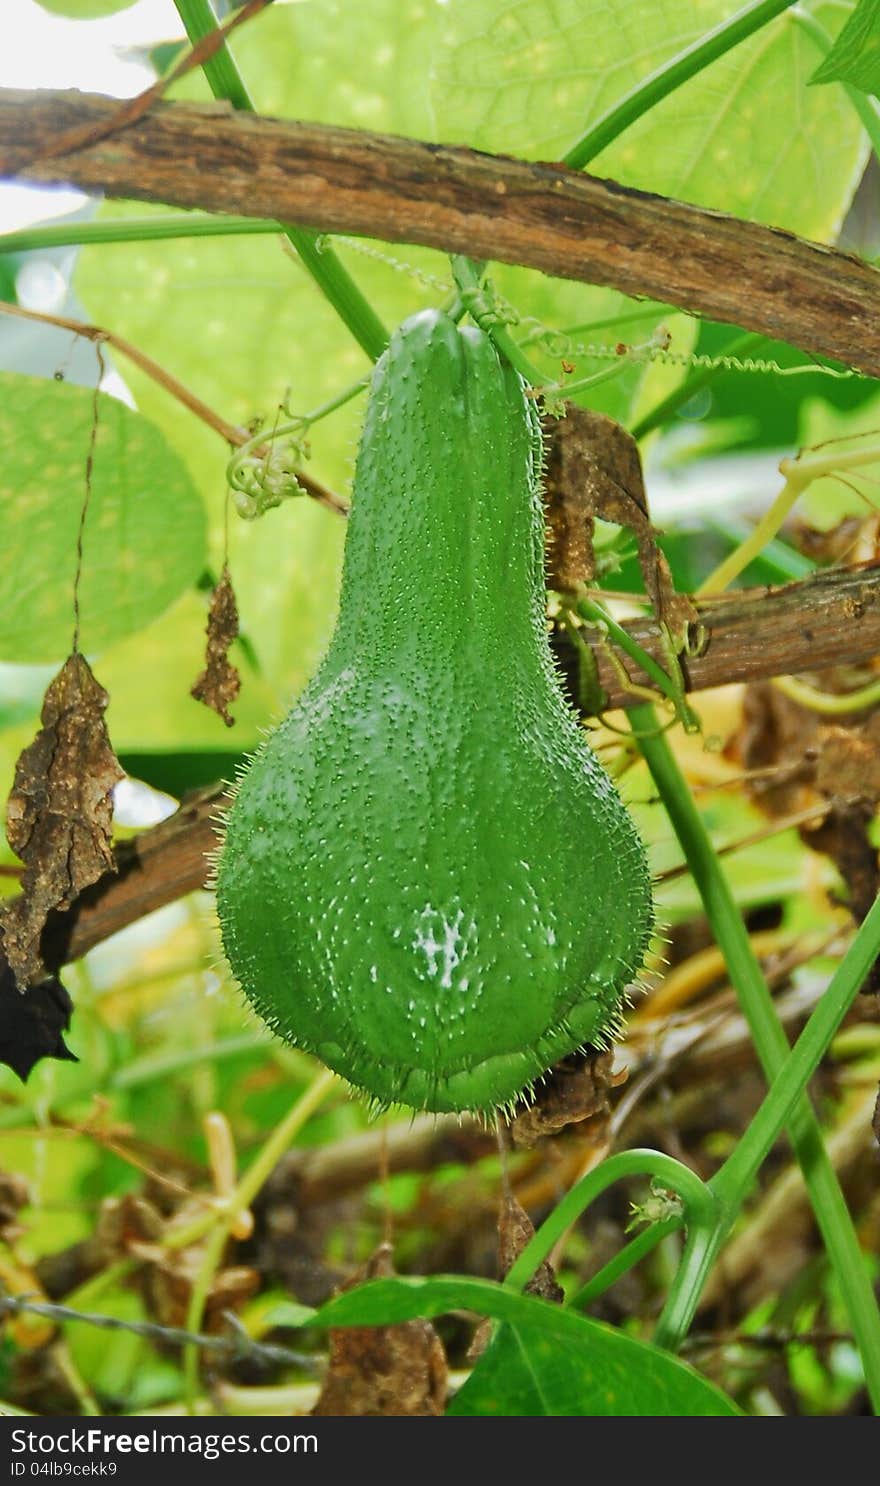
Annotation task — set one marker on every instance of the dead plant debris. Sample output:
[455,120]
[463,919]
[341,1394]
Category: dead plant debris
[378,1370]
[220,683]
[60,812]
[593,469]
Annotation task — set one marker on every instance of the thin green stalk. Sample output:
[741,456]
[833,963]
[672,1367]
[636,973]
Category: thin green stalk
[216,1224]
[632,1254]
[596,614]
[468,278]
[829,703]
[699,1203]
[732,1182]
[195,1311]
[225,1211]
[226,82]
[798,474]
[829,1206]
[133,230]
[700,1252]
[670,76]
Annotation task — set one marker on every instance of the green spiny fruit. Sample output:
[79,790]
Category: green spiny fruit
[428,879]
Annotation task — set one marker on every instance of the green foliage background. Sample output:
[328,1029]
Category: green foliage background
[160,1033]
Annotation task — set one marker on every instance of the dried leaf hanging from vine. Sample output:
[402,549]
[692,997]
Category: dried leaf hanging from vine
[593,469]
[220,682]
[60,812]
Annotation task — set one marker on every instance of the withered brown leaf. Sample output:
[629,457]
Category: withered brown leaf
[515,1229]
[60,812]
[848,765]
[811,762]
[383,1370]
[575,1089]
[220,682]
[593,468]
[776,740]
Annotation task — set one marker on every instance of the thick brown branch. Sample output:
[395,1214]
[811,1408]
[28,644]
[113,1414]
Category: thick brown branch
[831,619]
[827,620]
[544,216]
[157,867]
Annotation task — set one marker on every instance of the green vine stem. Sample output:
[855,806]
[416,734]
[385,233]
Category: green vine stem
[478,300]
[134,230]
[322,263]
[629,1256]
[699,1203]
[670,76]
[829,703]
[827,1200]
[669,687]
[732,1182]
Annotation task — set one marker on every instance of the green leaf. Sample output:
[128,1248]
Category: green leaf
[544,1360]
[84,10]
[288,1313]
[144,536]
[743,136]
[239,321]
[855,55]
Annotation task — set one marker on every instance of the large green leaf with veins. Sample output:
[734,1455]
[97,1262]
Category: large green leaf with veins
[744,136]
[144,530]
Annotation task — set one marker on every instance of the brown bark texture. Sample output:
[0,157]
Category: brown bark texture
[540,215]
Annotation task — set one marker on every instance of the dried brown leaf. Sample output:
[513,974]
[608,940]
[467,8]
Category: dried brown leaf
[60,812]
[124,1222]
[383,1370]
[850,540]
[814,761]
[220,683]
[593,468]
[776,739]
[168,1277]
[515,1229]
[575,1089]
[848,763]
